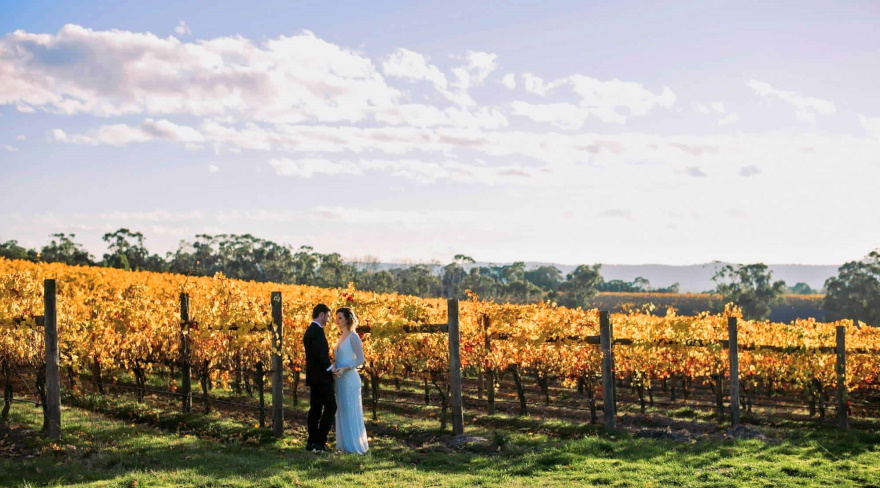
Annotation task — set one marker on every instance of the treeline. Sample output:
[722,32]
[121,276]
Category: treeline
[790,306]
[247,257]
[855,293]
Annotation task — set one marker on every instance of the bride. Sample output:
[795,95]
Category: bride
[351,435]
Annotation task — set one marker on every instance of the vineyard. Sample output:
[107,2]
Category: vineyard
[115,325]
[792,307]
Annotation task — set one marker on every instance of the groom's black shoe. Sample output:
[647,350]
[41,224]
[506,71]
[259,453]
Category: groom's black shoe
[312,447]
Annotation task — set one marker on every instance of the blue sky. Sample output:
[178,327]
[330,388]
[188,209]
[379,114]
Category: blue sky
[572,132]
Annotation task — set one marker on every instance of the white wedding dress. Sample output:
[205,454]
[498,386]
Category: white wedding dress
[351,435]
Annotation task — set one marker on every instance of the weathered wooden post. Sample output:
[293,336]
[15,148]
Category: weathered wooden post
[605,342]
[277,367]
[261,380]
[185,372]
[490,374]
[734,370]
[455,368]
[53,379]
[842,393]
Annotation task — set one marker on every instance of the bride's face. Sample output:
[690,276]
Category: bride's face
[340,323]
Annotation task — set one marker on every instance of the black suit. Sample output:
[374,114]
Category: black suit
[322,404]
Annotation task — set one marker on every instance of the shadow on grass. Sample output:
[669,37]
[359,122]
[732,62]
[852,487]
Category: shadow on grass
[95,448]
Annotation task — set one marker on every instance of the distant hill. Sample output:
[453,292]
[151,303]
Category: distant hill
[693,278]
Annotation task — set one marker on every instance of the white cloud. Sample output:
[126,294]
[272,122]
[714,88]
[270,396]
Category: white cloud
[182,29]
[110,73]
[604,99]
[307,168]
[20,137]
[159,215]
[563,115]
[123,134]
[717,108]
[411,169]
[411,65]
[535,84]
[610,101]
[728,119]
[479,65]
[711,107]
[870,124]
[509,80]
[8,147]
[418,115]
[213,168]
[806,108]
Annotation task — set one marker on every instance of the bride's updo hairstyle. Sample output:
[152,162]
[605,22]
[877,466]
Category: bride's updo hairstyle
[350,317]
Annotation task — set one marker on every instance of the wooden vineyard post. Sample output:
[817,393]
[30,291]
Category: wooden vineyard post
[53,380]
[734,371]
[842,393]
[455,368]
[490,375]
[605,340]
[185,373]
[277,367]
[261,379]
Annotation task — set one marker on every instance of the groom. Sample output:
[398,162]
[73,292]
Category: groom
[319,379]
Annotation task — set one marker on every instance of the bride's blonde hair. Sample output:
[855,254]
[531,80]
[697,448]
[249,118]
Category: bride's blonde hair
[350,317]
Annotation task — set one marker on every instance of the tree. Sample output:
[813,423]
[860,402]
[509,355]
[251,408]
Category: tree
[11,250]
[547,278]
[581,285]
[802,288]
[334,272]
[453,277]
[197,258]
[127,251]
[66,251]
[673,288]
[481,280]
[379,282]
[417,280]
[855,292]
[750,287]
[305,266]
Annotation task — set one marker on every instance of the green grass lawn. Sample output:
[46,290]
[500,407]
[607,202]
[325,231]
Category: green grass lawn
[407,449]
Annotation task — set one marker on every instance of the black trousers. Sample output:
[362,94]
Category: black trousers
[322,412]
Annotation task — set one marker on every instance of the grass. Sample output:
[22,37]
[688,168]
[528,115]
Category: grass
[407,449]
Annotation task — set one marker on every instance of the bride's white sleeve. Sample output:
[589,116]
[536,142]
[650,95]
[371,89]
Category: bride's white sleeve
[358,348]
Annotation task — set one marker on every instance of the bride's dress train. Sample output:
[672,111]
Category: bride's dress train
[351,435]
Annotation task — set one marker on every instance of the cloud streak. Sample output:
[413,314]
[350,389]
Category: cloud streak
[806,108]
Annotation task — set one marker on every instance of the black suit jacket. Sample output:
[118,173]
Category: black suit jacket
[317,356]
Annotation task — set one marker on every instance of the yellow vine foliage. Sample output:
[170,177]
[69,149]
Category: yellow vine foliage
[130,320]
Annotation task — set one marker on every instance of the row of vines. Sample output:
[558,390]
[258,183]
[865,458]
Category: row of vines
[111,320]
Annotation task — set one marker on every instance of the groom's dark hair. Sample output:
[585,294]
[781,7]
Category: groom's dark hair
[319,309]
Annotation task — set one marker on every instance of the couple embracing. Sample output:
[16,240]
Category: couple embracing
[351,435]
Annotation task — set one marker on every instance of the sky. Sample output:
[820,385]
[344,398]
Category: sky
[624,132]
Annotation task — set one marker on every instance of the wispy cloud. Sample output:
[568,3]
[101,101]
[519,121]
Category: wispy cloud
[870,124]
[750,170]
[695,172]
[806,108]
[182,29]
